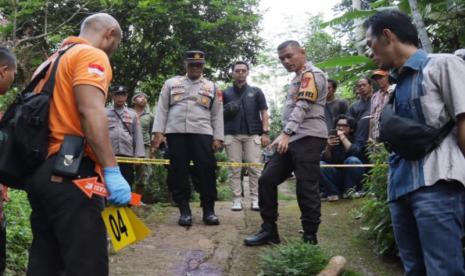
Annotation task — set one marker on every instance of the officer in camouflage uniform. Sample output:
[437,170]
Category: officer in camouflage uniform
[143,171]
[125,131]
[298,148]
[190,114]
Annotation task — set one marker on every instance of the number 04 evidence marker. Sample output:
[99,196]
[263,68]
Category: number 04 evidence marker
[91,186]
[123,227]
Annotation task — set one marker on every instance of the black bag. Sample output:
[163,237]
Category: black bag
[408,138]
[231,109]
[25,130]
[69,157]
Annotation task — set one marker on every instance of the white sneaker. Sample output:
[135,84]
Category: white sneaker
[237,205]
[333,198]
[255,206]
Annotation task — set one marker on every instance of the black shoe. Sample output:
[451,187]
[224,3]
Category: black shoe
[266,235]
[186,215]
[310,238]
[209,217]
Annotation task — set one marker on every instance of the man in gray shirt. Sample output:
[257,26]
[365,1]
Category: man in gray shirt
[190,114]
[125,131]
[298,148]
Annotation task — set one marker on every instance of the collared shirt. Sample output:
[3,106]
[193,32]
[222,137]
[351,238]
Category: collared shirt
[440,99]
[378,101]
[190,106]
[146,123]
[81,65]
[125,132]
[303,117]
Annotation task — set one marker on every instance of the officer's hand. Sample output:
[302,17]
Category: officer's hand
[158,138]
[281,143]
[117,186]
[217,145]
[265,139]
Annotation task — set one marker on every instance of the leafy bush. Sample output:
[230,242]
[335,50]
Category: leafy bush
[375,210]
[294,258]
[19,236]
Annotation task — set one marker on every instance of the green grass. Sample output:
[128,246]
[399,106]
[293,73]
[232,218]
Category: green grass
[285,196]
[19,236]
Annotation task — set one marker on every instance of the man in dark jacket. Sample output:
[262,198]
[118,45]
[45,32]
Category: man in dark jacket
[341,148]
[246,130]
[7,76]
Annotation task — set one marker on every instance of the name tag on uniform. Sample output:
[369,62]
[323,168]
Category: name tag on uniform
[123,227]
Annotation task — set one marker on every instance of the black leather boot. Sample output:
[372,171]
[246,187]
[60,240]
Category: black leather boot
[209,217]
[186,215]
[266,235]
[310,238]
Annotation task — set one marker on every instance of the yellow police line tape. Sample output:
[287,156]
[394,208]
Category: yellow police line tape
[133,160]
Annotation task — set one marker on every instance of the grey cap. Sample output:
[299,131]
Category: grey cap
[137,95]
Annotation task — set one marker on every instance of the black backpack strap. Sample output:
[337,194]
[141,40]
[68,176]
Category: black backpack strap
[50,84]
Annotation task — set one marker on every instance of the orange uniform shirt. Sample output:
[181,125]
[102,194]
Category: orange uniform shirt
[82,64]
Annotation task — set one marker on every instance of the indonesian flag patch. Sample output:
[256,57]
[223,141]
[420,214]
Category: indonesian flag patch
[96,69]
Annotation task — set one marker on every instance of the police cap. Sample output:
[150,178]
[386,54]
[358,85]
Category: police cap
[194,56]
[118,89]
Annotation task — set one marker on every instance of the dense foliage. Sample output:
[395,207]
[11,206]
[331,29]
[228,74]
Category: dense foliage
[155,34]
[375,211]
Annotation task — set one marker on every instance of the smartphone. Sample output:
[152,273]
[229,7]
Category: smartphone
[332,132]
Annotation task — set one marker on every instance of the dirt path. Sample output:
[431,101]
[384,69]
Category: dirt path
[219,250]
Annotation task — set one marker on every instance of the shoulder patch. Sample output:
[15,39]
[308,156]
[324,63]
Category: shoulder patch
[96,69]
[307,90]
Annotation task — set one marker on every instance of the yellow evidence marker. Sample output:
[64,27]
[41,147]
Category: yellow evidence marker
[123,226]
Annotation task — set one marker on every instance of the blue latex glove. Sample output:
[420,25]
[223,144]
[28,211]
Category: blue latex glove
[117,186]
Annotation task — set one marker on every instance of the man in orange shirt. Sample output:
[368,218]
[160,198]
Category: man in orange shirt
[69,236]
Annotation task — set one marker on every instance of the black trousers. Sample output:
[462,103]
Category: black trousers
[302,158]
[127,170]
[185,148]
[69,235]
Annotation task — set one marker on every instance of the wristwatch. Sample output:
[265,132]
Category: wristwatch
[266,132]
[288,131]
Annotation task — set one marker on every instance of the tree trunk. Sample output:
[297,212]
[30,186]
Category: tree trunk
[359,32]
[418,20]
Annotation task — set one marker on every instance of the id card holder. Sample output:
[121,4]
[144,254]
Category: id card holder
[69,157]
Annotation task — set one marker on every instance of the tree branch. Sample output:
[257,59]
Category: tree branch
[15,15]
[56,29]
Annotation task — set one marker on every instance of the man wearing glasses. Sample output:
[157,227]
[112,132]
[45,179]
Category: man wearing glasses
[341,148]
[246,130]
[190,115]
